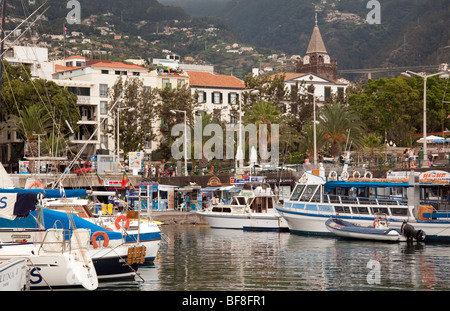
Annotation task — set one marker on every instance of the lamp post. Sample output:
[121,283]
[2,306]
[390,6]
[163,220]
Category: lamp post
[185,140]
[39,148]
[118,124]
[425,77]
[314,120]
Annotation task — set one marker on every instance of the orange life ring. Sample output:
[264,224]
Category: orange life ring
[122,217]
[375,223]
[36,185]
[96,235]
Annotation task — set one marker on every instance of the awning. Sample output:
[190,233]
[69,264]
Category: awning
[331,185]
[210,189]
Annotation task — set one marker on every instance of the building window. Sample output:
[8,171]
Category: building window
[147,145]
[340,92]
[180,83]
[103,109]
[105,72]
[166,83]
[327,92]
[135,73]
[80,91]
[201,97]
[217,97]
[118,72]
[233,117]
[103,90]
[104,141]
[233,98]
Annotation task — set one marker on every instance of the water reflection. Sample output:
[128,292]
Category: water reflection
[200,258]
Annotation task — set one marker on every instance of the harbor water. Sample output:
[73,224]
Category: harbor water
[200,258]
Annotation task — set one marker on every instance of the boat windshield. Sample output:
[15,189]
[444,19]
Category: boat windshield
[238,201]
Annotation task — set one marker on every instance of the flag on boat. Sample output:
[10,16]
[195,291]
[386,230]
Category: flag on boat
[100,180]
[14,205]
[125,180]
[61,190]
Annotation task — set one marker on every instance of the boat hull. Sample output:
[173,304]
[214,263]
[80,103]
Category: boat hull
[14,274]
[251,222]
[55,270]
[350,230]
[305,223]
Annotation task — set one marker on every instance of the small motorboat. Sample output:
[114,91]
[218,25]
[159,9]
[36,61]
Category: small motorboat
[380,231]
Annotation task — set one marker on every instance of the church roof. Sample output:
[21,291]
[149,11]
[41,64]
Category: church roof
[316,44]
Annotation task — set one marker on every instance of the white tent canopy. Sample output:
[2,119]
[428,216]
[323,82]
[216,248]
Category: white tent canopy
[432,139]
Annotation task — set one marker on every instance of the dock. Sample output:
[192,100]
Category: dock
[178,218]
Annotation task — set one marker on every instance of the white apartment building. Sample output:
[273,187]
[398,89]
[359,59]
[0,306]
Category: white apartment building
[91,82]
[323,88]
[35,58]
[218,95]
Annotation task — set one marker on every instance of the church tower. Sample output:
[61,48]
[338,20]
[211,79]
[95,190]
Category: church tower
[316,59]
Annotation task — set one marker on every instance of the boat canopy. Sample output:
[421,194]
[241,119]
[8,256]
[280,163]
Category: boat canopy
[14,205]
[62,220]
[331,185]
[49,193]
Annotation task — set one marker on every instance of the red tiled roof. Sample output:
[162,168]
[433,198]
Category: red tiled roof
[59,68]
[116,65]
[199,78]
[75,56]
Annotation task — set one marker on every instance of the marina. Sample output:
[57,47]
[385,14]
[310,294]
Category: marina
[199,258]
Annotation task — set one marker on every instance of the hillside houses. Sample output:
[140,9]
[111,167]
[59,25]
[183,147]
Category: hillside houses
[217,94]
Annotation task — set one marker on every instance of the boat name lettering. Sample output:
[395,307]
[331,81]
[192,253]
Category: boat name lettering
[3,204]
[4,277]
[35,273]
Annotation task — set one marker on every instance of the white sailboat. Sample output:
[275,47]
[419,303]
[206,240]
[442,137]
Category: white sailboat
[14,274]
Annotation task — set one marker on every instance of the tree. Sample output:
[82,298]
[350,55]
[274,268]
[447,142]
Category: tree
[342,127]
[27,123]
[135,127]
[36,105]
[181,99]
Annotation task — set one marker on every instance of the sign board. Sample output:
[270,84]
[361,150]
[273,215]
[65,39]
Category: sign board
[135,160]
[431,176]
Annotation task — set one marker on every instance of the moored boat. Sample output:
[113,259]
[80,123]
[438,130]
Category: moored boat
[315,199]
[380,231]
[252,209]
[14,274]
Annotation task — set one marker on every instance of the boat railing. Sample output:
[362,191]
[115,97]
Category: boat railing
[354,200]
[61,240]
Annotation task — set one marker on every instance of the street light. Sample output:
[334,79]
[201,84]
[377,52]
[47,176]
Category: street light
[118,116]
[314,120]
[185,140]
[425,77]
[39,148]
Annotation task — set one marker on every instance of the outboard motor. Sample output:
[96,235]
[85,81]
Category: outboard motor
[410,233]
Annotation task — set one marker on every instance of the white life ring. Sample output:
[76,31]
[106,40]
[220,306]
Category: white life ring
[304,179]
[332,175]
[356,174]
[344,175]
[368,174]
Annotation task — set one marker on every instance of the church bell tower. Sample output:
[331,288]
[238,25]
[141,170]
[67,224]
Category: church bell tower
[316,59]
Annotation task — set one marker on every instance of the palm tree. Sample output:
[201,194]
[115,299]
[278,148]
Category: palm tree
[30,120]
[263,112]
[306,145]
[341,126]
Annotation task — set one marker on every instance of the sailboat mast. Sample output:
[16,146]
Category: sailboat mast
[2,46]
